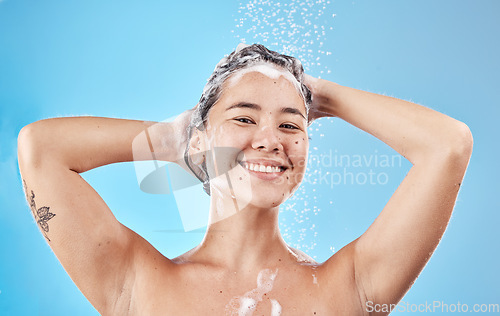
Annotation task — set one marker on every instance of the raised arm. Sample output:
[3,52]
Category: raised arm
[389,256]
[97,251]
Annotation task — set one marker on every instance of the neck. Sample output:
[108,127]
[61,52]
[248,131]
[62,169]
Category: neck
[242,240]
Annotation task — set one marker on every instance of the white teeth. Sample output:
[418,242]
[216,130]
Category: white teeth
[261,168]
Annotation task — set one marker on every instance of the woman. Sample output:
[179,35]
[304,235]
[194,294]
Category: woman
[248,142]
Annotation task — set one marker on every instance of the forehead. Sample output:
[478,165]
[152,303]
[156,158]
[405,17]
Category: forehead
[263,82]
[269,70]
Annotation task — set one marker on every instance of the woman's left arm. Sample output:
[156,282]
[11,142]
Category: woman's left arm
[389,256]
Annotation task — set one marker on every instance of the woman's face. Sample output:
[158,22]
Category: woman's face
[256,138]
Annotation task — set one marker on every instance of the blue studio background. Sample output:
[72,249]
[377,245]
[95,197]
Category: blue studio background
[150,61]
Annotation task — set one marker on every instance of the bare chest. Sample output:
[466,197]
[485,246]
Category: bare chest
[272,292]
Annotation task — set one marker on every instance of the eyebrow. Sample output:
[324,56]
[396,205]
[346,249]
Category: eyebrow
[253,106]
[292,111]
[244,105]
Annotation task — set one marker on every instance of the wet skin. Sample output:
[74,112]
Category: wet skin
[264,119]
[121,273]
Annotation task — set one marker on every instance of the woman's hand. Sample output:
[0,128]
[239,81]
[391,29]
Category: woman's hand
[164,141]
[317,109]
[180,141]
[180,133]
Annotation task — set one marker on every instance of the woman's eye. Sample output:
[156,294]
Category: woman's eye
[289,126]
[244,120]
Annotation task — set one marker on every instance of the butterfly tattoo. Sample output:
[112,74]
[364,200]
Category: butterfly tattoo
[42,215]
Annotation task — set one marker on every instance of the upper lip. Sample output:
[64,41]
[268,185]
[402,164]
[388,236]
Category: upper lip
[265,162]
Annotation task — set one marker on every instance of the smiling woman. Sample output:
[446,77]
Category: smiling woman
[231,69]
[268,135]
[247,141]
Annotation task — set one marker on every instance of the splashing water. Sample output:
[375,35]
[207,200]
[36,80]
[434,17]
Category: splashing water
[296,215]
[300,29]
[297,28]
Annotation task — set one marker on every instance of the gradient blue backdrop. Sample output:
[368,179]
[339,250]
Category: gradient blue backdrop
[149,60]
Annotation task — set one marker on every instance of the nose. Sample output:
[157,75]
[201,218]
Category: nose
[266,139]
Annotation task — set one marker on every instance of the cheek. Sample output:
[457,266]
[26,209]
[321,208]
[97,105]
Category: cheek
[219,136]
[226,144]
[230,135]
[298,149]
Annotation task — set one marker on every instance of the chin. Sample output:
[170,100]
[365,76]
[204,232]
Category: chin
[267,203]
[268,199]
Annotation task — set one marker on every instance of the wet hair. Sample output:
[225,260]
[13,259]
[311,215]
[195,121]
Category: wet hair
[239,59]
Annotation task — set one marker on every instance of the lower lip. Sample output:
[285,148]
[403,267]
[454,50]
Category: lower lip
[265,175]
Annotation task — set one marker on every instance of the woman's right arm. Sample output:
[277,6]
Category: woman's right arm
[97,251]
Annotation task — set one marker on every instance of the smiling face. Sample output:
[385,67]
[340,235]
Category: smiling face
[260,121]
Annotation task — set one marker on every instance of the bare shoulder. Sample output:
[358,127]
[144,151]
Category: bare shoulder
[339,278]
[149,269]
[333,281]
[301,256]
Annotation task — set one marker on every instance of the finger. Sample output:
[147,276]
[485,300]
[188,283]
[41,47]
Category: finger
[309,80]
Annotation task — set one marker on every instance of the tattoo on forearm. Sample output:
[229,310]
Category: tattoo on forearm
[41,215]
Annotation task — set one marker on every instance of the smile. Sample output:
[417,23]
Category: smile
[256,167]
